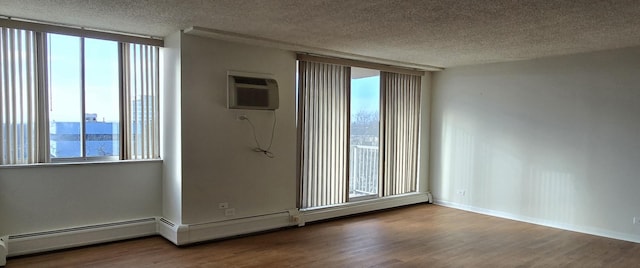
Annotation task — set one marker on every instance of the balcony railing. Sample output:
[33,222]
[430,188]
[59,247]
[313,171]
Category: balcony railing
[363,171]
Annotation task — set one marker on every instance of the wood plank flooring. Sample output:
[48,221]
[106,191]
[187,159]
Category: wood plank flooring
[415,236]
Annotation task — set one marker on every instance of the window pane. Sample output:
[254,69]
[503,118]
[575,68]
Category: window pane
[102,116]
[365,132]
[65,107]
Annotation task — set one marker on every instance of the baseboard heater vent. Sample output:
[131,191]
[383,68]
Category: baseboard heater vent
[167,222]
[79,236]
[83,228]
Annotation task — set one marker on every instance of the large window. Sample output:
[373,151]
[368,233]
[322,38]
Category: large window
[358,131]
[70,98]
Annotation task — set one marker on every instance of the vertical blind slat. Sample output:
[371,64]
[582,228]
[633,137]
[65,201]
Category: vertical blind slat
[3,73]
[126,108]
[13,125]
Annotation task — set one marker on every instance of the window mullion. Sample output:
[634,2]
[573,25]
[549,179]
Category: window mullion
[122,100]
[382,124]
[83,126]
[43,150]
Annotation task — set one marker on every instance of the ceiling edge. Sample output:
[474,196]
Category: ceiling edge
[252,40]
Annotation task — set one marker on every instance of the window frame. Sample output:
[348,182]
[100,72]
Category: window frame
[83,106]
[42,68]
[378,192]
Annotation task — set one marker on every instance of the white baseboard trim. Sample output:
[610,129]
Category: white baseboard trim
[176,233]
[3,250]
[192,233]
[558,225]
[316,214]
[215,230]
[79,236]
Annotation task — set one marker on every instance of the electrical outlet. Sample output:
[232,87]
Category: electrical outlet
[230,212]
[462,192]
[223,205]
[636,220]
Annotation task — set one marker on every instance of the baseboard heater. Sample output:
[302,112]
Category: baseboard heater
[352,208]
[193,233]
[37,242]
[181,234]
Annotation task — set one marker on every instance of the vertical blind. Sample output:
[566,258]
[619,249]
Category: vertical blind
[140,90]
[401,121]
[324,122]
[19,97]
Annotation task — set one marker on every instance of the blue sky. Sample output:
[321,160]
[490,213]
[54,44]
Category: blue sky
[101,79]
[365,94]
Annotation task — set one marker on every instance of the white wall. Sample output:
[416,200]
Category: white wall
[218,164]
[553,141]
[171,130]
[49,197]
[425,133]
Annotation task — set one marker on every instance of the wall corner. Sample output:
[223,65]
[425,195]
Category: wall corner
[177,234]
[4,250]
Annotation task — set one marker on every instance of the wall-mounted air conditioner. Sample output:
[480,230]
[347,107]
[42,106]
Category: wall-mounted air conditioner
[252,91]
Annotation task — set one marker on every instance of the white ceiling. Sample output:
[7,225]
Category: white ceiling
[441,33]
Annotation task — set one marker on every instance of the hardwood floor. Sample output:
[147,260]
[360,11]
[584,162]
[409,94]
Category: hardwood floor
[414,236]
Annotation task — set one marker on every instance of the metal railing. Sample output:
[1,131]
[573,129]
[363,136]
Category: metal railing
[363,171]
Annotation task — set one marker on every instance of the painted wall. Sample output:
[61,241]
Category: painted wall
[425,133]
[50,197]
[218,163]
[553,141]
[171,130]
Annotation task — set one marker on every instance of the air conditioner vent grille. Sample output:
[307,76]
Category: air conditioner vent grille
[250,81]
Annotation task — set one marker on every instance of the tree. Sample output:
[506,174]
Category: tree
[365,125]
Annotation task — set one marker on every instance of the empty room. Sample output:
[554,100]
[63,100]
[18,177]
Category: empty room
[319,133]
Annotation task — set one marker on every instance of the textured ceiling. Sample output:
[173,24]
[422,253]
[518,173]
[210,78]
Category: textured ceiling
[442,33]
